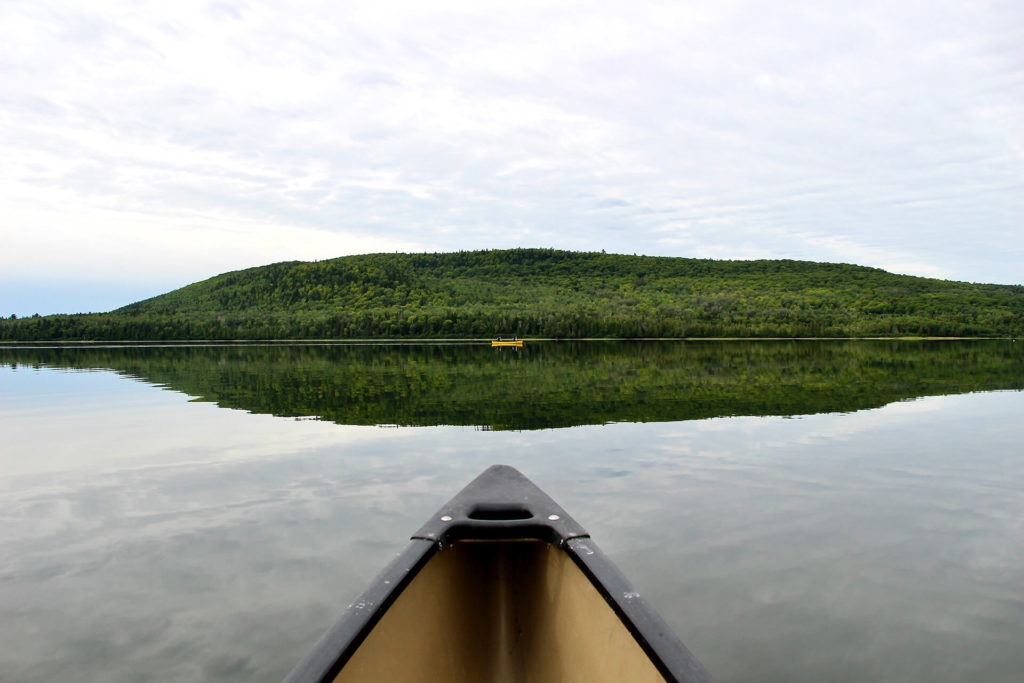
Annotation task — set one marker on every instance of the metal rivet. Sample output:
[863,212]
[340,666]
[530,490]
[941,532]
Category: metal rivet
[446,518]
[554,518]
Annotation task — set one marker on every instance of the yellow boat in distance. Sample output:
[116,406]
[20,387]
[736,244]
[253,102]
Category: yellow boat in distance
[515,341]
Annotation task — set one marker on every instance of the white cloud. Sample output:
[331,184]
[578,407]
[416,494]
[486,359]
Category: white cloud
[880,133]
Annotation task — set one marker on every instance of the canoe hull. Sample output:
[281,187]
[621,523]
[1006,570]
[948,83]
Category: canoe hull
[502,611]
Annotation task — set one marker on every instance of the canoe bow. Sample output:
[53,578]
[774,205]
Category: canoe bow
[483,526]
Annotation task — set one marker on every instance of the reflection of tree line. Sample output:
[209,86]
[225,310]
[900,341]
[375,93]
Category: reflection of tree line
[555,384]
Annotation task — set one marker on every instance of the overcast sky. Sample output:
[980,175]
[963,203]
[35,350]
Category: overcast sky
[147,145]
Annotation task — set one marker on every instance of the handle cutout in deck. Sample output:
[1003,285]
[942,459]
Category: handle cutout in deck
[499,513]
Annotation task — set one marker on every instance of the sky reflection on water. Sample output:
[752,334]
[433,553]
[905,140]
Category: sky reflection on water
[145,536]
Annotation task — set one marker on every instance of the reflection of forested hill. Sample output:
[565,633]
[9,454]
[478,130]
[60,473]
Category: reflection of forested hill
[555,384]
[548,293]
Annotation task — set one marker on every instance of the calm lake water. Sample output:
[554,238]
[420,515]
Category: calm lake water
[812,511]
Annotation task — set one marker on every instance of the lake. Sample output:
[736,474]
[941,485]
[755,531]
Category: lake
[797,511]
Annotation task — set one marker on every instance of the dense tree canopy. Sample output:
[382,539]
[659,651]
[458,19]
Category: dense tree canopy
[548,293]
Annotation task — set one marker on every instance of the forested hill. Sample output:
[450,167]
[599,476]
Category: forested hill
[549,293]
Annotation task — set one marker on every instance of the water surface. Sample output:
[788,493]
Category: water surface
[797,512]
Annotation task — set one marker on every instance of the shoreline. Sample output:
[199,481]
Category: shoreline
[451,341]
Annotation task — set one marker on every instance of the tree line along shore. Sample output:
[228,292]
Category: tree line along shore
[547,293]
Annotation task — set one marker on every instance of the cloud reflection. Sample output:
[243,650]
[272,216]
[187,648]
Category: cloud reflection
[865,544]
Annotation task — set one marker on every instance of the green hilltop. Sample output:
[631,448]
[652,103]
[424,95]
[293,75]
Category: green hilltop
[548,293]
